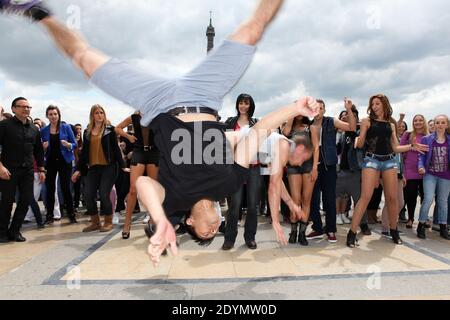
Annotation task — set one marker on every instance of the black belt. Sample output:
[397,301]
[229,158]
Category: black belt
[381,158]
[182,110]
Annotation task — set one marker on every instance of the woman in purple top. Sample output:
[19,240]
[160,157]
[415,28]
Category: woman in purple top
[435,166]
[414,181]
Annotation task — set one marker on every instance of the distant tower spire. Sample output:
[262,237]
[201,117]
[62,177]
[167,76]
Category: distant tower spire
[210,33]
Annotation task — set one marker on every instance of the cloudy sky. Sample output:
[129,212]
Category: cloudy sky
[324,48]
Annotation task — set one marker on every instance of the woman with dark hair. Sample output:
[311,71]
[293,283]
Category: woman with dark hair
[99,158]
[378,136]
[59,143]
[245,108]
[301,179]
[431,126]
[145,159]
[402,127]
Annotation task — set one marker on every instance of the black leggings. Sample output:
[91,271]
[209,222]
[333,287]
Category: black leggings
[65,172]
[413,189]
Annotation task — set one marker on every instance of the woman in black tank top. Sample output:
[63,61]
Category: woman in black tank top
[145,159]
[379,137]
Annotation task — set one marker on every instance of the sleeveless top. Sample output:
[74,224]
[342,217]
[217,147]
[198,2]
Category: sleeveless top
[378,139]
[144,135]
[293,132]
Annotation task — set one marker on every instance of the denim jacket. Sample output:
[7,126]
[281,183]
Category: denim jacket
[425,159]
[65,133]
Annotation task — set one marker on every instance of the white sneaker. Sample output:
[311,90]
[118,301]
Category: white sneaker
[339,221]
[346,220]
[116,218]
[146,219]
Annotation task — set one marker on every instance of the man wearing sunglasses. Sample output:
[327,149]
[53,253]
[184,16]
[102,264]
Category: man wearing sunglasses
[21,146]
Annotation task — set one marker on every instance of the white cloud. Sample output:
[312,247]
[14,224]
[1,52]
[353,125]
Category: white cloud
[325,48]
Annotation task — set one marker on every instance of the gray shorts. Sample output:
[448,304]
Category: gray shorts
[204,86]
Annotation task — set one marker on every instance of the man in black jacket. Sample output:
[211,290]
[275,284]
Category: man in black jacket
[21,146]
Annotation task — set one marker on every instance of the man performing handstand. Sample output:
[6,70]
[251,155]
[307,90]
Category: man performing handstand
[184,107]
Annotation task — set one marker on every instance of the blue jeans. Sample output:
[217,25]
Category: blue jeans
[433,185]
[435,215]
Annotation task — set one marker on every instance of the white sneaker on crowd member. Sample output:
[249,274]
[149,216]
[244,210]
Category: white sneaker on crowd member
[339,220]
[345,219]
[349,214]
[116,218]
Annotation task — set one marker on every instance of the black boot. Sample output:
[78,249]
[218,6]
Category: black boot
[352,241]
[396,237]
[72,219]
[302,234]
[444,232]
[421,231]
[293,234]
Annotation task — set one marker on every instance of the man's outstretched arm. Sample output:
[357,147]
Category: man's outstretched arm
[152,194]
[74,46]
[247,148]
[251,31]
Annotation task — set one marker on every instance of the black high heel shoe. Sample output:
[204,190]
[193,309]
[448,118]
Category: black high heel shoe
[126,234]
[396,237]
[352,241]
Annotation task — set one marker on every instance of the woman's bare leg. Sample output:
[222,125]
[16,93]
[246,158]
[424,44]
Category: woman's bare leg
[308,188]
[390,185]
[136,172]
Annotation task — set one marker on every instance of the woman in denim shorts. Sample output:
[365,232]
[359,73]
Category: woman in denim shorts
[301,179]
[379,137]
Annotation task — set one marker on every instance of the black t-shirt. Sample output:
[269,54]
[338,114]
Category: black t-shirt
[193,178]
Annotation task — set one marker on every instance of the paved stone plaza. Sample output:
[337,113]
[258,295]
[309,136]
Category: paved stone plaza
[60,262]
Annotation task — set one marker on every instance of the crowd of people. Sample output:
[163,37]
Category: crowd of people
[305,161]
[350,159]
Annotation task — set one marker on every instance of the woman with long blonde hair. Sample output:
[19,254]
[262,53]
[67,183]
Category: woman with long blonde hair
[435,167]
[99,160]
[414,181]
